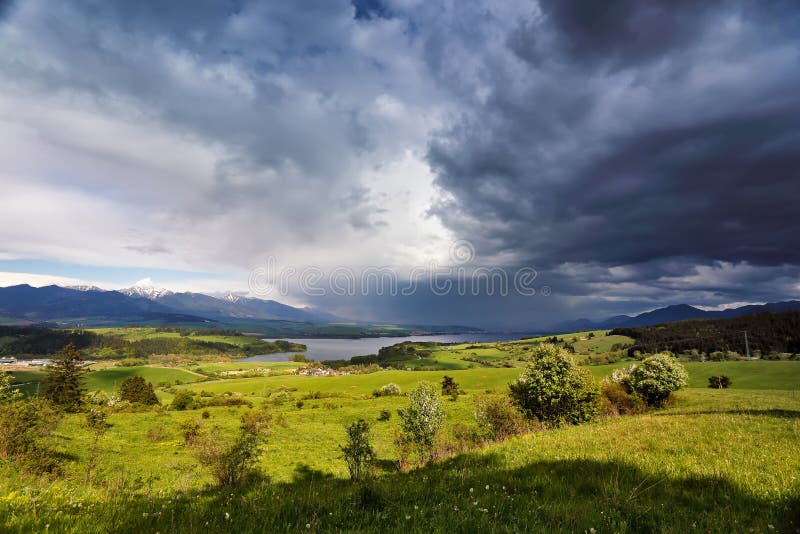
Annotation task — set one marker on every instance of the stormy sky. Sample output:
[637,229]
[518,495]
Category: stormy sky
[633,153]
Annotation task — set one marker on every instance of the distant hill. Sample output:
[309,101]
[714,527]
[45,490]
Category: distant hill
[670,314]
[767,332]
[225,309]
[92,306]
[142,305]
[30,305]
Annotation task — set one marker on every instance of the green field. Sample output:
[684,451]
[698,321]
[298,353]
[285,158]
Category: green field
[138,333]
[504,353]
[109,380]
[712,461]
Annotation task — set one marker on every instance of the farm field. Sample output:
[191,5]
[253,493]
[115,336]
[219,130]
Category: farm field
[672,470]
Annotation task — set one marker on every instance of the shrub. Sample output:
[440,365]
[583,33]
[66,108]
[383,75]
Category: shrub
[449,386]
[389,390]
[358,453]
[7,393]
[182,401]
[622,377]
[136,390]
[132,362]
[97,423]
[422,419]
[498,419]
[385,415]
[719,382]
[232,461]
[24,427]
[299,358]
[206,414]
[223,400]
[657,377]
[280,396]
[188,429]
[619,400]
[257,422]
[554,390]
[157,433]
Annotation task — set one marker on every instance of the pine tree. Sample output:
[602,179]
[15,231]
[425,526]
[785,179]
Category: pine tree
[62,385]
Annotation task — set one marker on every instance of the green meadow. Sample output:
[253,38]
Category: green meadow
[711,461]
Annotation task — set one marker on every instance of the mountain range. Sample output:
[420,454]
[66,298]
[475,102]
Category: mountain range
[89,305]
[142,304]
[677,312]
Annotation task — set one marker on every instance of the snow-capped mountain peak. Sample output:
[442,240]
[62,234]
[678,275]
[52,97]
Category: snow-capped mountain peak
[145,289]
[85,288]
[231,297]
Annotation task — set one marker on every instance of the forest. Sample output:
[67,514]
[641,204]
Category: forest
[767,333]
[38,341]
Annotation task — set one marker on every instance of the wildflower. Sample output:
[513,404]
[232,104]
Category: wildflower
[487,486]
[227,516]
[408,517]
[308,525]
[771,527]
[471,490]
[144,514]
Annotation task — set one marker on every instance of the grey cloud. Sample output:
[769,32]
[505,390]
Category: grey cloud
[635,153]
[694,155]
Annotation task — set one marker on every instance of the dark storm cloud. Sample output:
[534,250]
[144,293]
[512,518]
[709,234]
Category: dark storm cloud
[636,153]
[370,9]
[627,132]
[611,34]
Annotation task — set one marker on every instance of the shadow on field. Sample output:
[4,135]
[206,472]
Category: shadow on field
[467,493]
[781,414]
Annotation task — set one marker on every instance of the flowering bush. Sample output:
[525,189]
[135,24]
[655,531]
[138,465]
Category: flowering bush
[554,390]
[657,377]
[389,390]
[423,418]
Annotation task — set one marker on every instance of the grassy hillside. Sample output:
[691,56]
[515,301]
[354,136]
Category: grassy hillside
[136,342]
[720,461]
[109,380]
[674,470]
[429,356]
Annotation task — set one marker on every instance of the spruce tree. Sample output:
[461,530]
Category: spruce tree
[64,380]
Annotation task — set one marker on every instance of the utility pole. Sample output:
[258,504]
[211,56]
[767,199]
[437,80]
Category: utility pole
[746,346]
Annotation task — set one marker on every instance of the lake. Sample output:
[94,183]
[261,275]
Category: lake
[344,349]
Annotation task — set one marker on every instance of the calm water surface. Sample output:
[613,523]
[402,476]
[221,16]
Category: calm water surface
[343,349]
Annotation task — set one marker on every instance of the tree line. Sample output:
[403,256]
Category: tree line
[39,341]
[766,333]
